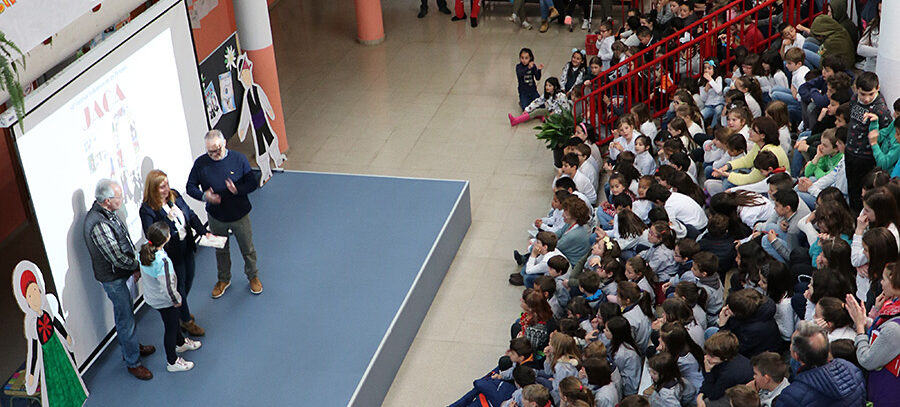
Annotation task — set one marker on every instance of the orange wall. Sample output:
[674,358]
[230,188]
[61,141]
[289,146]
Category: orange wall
[214,29]
[12,207]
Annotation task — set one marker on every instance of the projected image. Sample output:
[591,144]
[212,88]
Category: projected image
[120,125]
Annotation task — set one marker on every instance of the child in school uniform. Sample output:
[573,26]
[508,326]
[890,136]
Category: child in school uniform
[637,309]
[705,270]
[160,287]
[638,272]
[627,135]
[557,267]
[625,353]
[598,379]
[643,159]
[661,256]
[553,222]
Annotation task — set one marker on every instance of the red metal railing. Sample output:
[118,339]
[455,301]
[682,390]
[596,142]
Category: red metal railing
[653,82]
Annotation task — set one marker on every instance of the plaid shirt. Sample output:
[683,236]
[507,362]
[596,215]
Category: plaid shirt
[106,241]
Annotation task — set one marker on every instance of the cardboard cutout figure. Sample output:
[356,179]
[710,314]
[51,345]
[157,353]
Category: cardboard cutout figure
[49,362]
[257,111]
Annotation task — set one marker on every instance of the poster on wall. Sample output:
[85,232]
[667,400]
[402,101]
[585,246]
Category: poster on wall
[28,23]
[220,84]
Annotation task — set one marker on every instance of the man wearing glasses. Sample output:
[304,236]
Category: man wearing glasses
[222,179]
[114,260]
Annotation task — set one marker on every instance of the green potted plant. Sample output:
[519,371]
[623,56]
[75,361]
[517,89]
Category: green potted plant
[9,75]
[555,131]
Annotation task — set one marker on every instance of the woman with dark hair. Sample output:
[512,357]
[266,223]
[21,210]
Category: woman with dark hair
[574,238]
[764,135]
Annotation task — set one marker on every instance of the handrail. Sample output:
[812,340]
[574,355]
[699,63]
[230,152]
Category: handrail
[667,40]
[590,103]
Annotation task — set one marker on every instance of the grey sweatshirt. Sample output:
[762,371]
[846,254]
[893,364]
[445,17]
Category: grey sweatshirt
[884,349]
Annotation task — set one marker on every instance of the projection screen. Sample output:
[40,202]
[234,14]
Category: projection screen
[129,105]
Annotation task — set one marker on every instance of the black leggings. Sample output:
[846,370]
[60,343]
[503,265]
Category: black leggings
[172,337]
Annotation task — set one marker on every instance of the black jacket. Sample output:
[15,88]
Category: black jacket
[759,332]
[725,375]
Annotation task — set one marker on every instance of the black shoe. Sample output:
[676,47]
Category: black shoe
[455,18]
[516,279]
[474,22]
[520,259]
[444,10]
[422,12]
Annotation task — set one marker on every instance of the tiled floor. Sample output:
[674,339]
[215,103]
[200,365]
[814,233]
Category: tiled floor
[431,101]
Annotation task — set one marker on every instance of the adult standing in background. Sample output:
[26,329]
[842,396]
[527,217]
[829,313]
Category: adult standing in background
[114,260]
[222,179]
[442,7]
[162,203]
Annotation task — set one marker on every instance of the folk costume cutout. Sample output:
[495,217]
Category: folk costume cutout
[256,111]
[50,362]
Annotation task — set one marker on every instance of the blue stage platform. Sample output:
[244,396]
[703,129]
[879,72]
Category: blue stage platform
[349,265]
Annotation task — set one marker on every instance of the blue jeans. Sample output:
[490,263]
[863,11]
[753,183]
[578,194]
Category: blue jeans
[603,219]
[808,199]
[794,108]
[117,291]
[812,58]
[767,246]
[711,113]
[707,170]
[528,279]
[545,9]
[798,162]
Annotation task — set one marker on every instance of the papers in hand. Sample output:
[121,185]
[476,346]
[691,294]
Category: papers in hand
[215,241]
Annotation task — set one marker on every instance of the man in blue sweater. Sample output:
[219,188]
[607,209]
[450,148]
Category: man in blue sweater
[222,179]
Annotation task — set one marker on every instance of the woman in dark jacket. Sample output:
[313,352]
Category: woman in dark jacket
[751,317]
[162,203]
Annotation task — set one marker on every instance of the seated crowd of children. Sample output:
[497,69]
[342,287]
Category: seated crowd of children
[742,251]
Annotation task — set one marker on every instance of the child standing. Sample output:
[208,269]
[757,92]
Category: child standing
[160,288]
[605,44]
[528,74]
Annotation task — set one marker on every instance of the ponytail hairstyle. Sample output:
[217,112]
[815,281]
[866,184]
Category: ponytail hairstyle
[572,389]
[666,235]
[680,126]
[613,267]
[752,86]
[679,343]
[157,236]
[628,290]
[835,312]
[639,265]
[692,294]
[620,330]
[666,368]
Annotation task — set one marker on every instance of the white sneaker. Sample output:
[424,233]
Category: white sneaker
[513,18]
[526,25]
[180,365]
[189,344]
[585,24]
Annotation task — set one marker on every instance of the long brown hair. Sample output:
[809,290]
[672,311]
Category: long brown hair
[151,190]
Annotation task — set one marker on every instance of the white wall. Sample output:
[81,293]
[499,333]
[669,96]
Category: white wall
[888,68]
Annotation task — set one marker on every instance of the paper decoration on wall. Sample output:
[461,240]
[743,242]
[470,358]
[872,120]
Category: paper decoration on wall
[50,362]
[197,9]
[226,90]
[256,111]
[213,109]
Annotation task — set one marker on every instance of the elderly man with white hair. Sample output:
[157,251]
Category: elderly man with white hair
[222,179]
[114,260]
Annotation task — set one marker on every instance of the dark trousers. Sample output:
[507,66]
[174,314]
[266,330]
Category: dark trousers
[172,337]
[440,4]
[585,8]
[857,167]
[184,269]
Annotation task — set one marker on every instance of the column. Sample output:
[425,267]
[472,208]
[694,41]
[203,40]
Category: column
[888,68]
[369,24]
[255,35]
